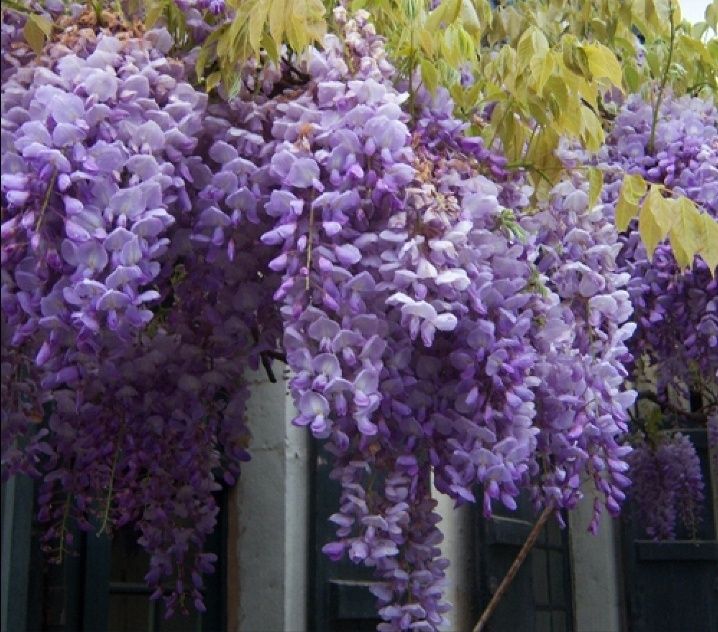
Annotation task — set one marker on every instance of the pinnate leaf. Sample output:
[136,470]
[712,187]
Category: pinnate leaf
[648,225]
[595,184]
[688,230]
[603,63]
[710,245]
[632,190]
[37,31]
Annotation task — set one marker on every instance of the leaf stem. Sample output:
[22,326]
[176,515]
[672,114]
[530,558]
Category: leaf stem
[46,199]
[63,528]
[310,240]
[664,80]
[106,513]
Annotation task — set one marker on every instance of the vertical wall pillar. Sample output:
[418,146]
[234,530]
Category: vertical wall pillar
[596,573]
[269,521]
[457,547]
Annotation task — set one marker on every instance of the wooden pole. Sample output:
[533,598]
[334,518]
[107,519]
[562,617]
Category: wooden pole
[514,569]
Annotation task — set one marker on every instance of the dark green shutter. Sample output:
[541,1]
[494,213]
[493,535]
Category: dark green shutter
[540,597]
[339,600]
[673,586]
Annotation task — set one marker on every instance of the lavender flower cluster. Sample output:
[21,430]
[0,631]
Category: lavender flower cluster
[140,333]
[156,244]
[668,477]
[582,398]
[676,311]
[425,325]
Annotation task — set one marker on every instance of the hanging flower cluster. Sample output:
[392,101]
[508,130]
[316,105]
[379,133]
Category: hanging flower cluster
[676,311]
[157,243]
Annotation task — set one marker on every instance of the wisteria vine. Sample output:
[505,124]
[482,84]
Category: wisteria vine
[158,243]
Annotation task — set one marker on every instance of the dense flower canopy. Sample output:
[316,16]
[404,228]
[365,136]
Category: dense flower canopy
[444,324]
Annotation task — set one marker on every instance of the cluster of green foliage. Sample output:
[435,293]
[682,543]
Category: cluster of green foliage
[544,65]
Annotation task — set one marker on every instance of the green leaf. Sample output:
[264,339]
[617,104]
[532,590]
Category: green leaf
[632,191]
[695,48]
[34,34]
[595,184]
[709,252]
[632,77]
[201,62]
[42,23]
[603,63]
[154,12]
[648,227]
[688,230]
[213,80]
[429,75]
[654,62]
[711,15]
[257,19]
[270,46]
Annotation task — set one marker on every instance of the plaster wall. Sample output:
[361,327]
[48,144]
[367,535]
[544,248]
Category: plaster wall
[270,515]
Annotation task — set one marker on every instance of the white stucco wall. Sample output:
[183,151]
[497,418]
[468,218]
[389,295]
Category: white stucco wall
[271,522]
[456,527]
[596,572]
[271,510]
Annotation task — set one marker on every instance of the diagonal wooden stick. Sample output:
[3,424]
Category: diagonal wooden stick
[515,566]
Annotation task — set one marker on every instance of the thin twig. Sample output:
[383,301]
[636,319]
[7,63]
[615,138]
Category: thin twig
[515,566]
[309,243]
[664,80]
[697,417]
[46,199]
[106,514]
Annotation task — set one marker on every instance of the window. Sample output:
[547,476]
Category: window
[99,588]
[672,586]
[540,598]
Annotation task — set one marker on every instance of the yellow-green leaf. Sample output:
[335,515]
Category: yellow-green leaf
[688,229]
[429,75]
[603,63]
[632,190]
[634,187]
[542,67]
[648,227]
[277,16]
[665,210]
[154,13]
[445,13]
[709,252]
[595,184]
[257,19]
[213,80]
[470,19]
[532,43]
[34,36]
[592,132]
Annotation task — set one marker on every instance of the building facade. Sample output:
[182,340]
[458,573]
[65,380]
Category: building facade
[272,576]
